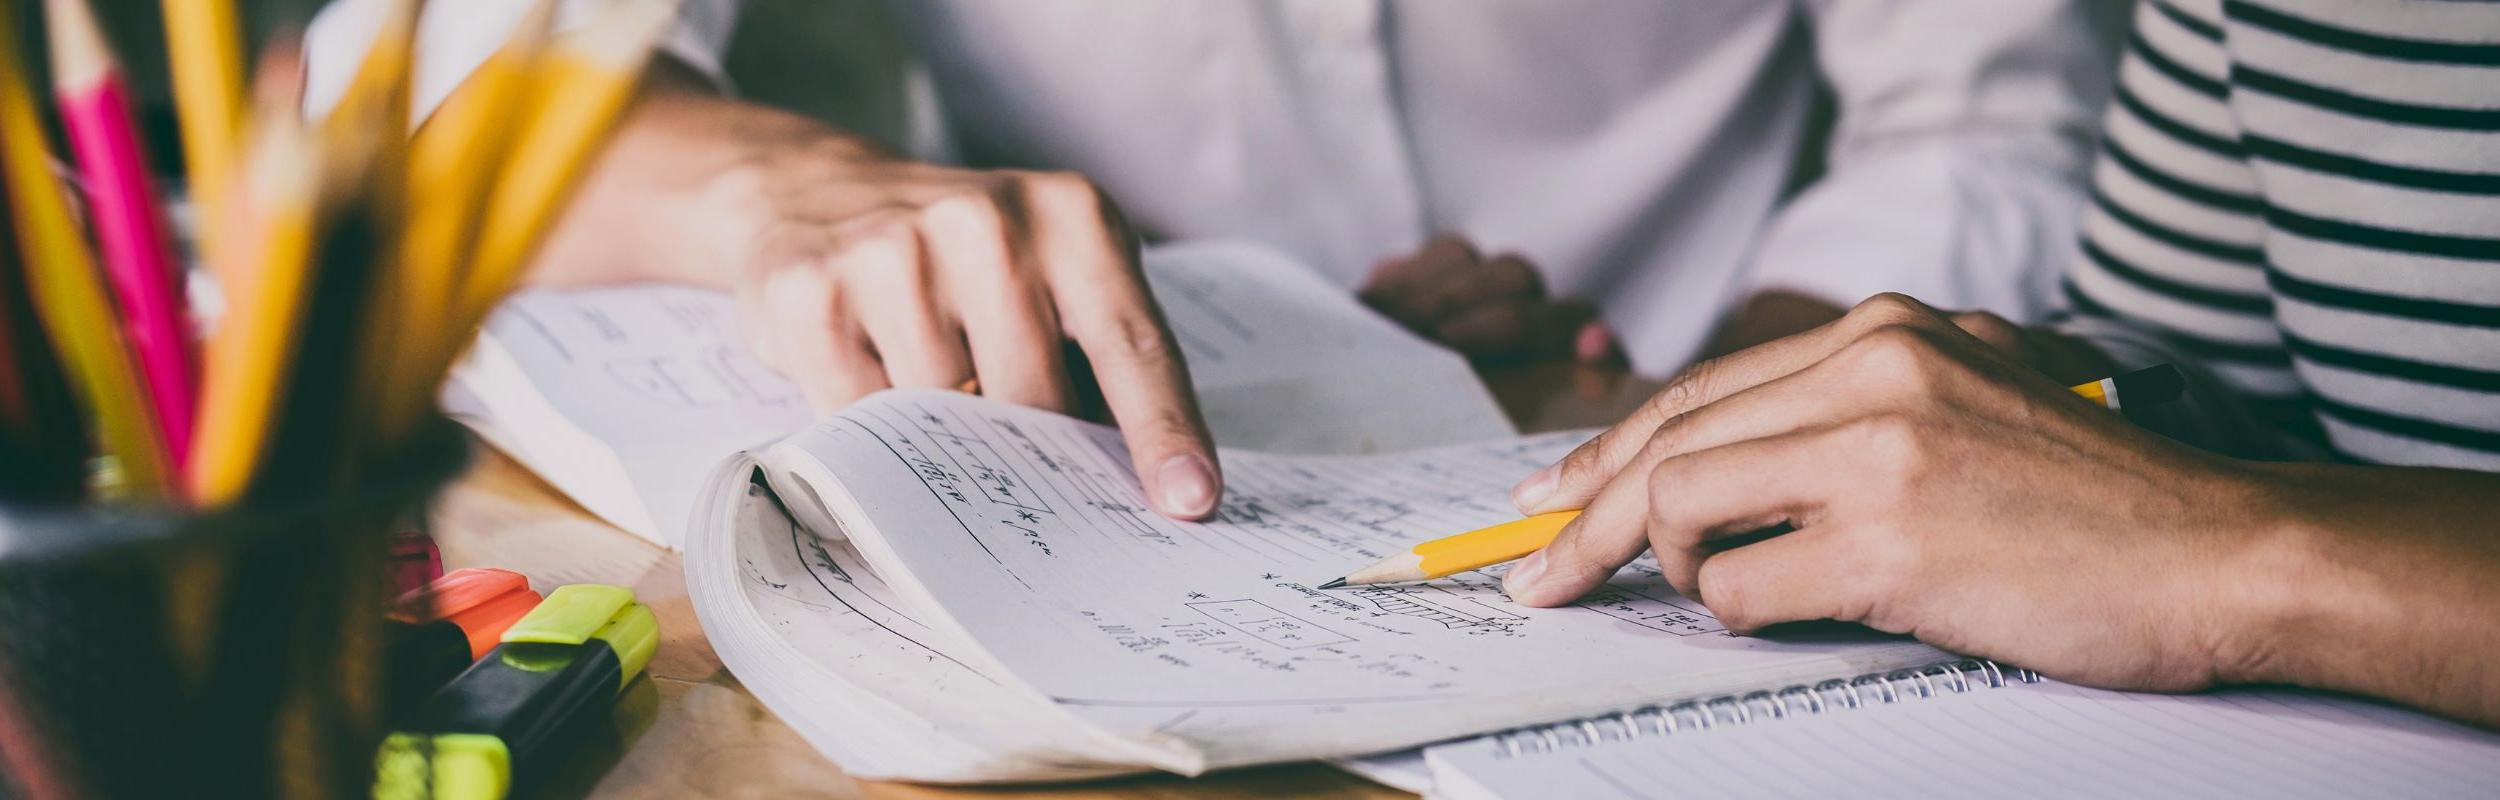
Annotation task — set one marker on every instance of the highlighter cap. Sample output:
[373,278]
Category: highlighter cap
[452,766]
[634,634]
[581,612]
[572,614]
[483,601]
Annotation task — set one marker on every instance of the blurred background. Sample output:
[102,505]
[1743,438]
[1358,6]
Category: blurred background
[851,43]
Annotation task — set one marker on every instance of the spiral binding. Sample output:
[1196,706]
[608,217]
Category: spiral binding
[1956,677]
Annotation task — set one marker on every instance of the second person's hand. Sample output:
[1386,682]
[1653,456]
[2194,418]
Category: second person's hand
[1935,485]
[1488,309]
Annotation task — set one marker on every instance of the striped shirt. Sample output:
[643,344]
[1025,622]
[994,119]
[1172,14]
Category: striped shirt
[2303,196]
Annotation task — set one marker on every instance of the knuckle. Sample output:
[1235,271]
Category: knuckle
[1453,246]
[794,286]
[1667,525]
[1060,189]
[887,242]
[1722,585]
[1514,275]
[967,213]
[1893,352]
[1986,326]
[1890,308]
[1895,439]
[1686,389]
[742,190]
[1666,439]
[1583,461]
[1139,336]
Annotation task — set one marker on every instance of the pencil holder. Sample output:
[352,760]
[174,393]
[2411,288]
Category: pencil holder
[232,653]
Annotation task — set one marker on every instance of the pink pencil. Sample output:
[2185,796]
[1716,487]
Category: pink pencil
[130,227]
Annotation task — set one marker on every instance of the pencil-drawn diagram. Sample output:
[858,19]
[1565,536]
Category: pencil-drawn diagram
[658,380]
[742,379]
[1668,614]
[718,377]
[1265,623]
[1449,609]
[978,460]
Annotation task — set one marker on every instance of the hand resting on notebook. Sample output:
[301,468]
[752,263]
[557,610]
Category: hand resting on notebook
[858,270]
[1940,485]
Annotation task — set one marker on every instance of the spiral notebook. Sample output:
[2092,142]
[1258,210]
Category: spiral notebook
[1975,729]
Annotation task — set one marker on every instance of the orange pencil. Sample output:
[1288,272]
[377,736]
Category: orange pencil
[130,227]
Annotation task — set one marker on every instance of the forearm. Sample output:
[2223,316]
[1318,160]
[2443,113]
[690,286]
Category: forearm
[644,211]
[2377,581]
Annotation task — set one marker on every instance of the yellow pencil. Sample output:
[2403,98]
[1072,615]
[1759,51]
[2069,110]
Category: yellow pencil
[204,46]
[584,82]
[1511,541]
[456,153]
[249,358]
[70,296]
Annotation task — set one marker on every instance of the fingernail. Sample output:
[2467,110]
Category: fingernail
[1524,575]
[1534,491]
[1594,343]
[1188,486]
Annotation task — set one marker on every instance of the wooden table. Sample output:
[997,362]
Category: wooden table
[693,732]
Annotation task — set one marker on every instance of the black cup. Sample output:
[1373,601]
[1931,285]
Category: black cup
[236,653]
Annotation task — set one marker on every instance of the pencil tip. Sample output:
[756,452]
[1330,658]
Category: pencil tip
[1335,584]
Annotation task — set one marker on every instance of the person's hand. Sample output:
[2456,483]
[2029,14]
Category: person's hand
[856,270]
[1488,309]
[1935,486]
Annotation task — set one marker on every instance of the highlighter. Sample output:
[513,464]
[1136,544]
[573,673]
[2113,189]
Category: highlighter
[441,628]
[507,722]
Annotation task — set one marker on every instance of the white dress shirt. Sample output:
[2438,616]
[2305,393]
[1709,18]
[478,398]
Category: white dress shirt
[1645,155]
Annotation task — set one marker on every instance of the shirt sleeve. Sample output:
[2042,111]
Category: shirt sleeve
[1954,167]
[455,36]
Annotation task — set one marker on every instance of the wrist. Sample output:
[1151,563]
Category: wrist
[2288,604]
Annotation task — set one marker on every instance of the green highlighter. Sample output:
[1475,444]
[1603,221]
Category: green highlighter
[508,720]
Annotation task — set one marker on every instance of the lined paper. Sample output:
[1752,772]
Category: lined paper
[2024,740]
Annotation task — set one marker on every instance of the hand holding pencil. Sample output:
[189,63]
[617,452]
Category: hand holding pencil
[1511,541]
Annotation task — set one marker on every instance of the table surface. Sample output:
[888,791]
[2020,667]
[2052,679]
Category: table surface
[693,732]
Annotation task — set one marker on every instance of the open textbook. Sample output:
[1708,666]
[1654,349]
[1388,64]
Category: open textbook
[624,398]
[939,587]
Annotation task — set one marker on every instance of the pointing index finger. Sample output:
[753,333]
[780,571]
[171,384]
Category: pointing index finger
[1102,298]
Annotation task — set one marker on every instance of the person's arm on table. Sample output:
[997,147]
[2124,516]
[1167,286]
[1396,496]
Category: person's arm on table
[1962,136]
[856,269]
[1939,485]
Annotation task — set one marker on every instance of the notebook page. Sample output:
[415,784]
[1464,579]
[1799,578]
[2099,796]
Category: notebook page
[821,640]
[1286,362]
[624,397]
[2037,740]
[1026,530]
